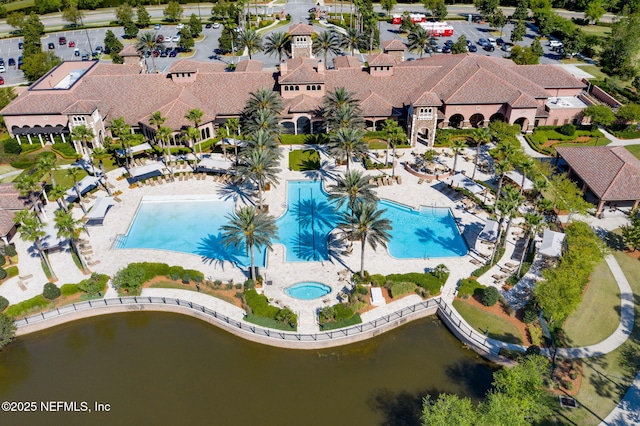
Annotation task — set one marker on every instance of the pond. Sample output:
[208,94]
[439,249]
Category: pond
[161,368]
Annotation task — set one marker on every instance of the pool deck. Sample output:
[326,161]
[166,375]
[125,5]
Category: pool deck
[282,274]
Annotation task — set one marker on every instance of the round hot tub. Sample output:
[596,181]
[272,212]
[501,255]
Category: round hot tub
[308,290]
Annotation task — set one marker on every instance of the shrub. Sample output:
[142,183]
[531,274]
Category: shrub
[427,281]
[568,385]
[94,284]
[27,148]
[490,296]
[69,289]
[2,261]
[130,278]
[218,283]
[377,280]
[572,374]
[567,129]
[174,277]
[24,162]
[469,287]
[268,322]
[249,284]
[186,278]
[176,270]
[197,278]
[193,274]
[10,250]
[259,305]
[3,303]
[287,316]
[402,288]
[529,312]
[533,350]
[229,286]
[353,320]
[12,271]
[238,286]
[535,332]
[11,146]
[360,289]
[3,274]
[65,150]
[35,303]
[51,291]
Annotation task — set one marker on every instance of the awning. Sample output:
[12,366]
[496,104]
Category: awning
[134,149]
[517,179]
[461,181]
[99,209]
[490,231]
[50,239]
[232,142]
[155,168]
[39,130]
[86,184]
[213,164]
[551,244]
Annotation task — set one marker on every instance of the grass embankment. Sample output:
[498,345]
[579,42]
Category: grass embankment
[607,378]
[634,149]
[599,312]
[302,160]
[480,320]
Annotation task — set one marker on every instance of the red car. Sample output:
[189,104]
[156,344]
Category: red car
[1,80]
[72,44]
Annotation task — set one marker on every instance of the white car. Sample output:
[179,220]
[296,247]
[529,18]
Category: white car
[216,25]
[180,26]
[554,43]
[176,38]
[2,68]
[492,41]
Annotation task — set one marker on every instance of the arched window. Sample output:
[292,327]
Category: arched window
[425,113]
[308,87]
[297,88]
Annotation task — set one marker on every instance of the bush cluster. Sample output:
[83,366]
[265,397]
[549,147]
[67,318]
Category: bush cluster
[11,146]
[529,312]
[69,289]
[338,316]
[51,291]
[3,274]
[65,150]
[490,296]
[259,306]
[567,129]
[3,303]
[469,287]
[401,288]
[10,250]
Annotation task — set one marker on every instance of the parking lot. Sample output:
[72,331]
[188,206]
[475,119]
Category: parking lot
[87,41]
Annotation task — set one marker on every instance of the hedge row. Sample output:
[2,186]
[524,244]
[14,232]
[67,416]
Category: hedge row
[401,288]
[428,281]
[19,309]
[333,325]
[65,150]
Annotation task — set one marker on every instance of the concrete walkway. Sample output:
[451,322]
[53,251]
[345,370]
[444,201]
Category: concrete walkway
[616,141]
[528,150]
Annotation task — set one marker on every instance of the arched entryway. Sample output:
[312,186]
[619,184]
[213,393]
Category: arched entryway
[423,134]
[288,127]
[304,125]
[476,120]
[456,121]
[523,122]
[498,116]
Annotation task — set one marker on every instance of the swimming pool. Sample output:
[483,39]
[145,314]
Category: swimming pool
[193,226]
[308,290]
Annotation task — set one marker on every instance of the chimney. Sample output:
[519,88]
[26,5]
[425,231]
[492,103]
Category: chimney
[283,68]
[320,67]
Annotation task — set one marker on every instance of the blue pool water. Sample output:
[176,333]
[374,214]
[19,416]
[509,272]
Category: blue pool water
[194,227]
[307,290]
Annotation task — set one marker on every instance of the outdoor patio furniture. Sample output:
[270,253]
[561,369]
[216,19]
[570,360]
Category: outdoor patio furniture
[511,265]
[399,179]
[26,277]
[22,286]
[476,262]
[95,262]
[498,277]
[117,199]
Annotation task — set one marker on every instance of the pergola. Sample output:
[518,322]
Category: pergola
[611,173]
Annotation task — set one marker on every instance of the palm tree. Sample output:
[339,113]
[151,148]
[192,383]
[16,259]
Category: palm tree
[70,228]
[278,43]
[346,116]
[501,168]
[353,187]
[532,221]
[260,167]
[326,42]
[58,193]
[456,146]
[192,134]
[345,143]
[507,207]
[262,119]
[121,130]
[83,133]
[482,136]
[75,173]
[163,134]
[418,39]
[261,99]
[395,135]
[526,165]
[195,115]
[148,41]
[353,39]
[366,224]
[250,40]
[47,163]
[157,119]
[31,229]
[250,228]
[335,100]
[30,186]
[263,140]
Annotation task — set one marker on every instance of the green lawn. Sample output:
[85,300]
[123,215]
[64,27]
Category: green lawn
[596,30]
[607,378]
[595,71]
[599,312]
[65,180]
[302,160]
[634,149]
[17,5]
[481,320]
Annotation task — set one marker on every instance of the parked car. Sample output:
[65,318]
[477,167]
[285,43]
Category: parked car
[208,25]
[164,54]
[507,47]
[488,47]
[2,68]
[180,26]
[449,43]
[99,49]
[482,41]
[12,62]
[446,49]
[19,62]
[72,44]
[216,25]
[20,45]
[160,38]
[433,42]
[2,62]
[85,56]
[62,41]
[554,43]
[500,42]
[173,53]
[492,41]
[76,52]
[1,80]
[176,38]
[157,26]
[438,49]
[472,48]
[51,46]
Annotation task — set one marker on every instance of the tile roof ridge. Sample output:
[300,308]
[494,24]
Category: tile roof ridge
[478,69]
[612,185]
[507,81]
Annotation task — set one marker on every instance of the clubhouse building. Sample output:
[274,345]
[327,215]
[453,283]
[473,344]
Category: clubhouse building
[461,91]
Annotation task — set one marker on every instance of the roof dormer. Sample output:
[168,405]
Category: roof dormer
[381,64]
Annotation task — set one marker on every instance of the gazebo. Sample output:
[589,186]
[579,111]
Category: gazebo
[611,173]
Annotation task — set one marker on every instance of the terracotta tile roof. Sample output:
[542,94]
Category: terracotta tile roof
[129,50]
[114,69]
[346,62]
[428,98]
[390,45]
[302,103]
[612,173]
[381,59]
[375,105]
[10,198]
[82,107]
[301,29]
[548,76]
[249,66]
[6,222]
[303,74]
[185,65]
